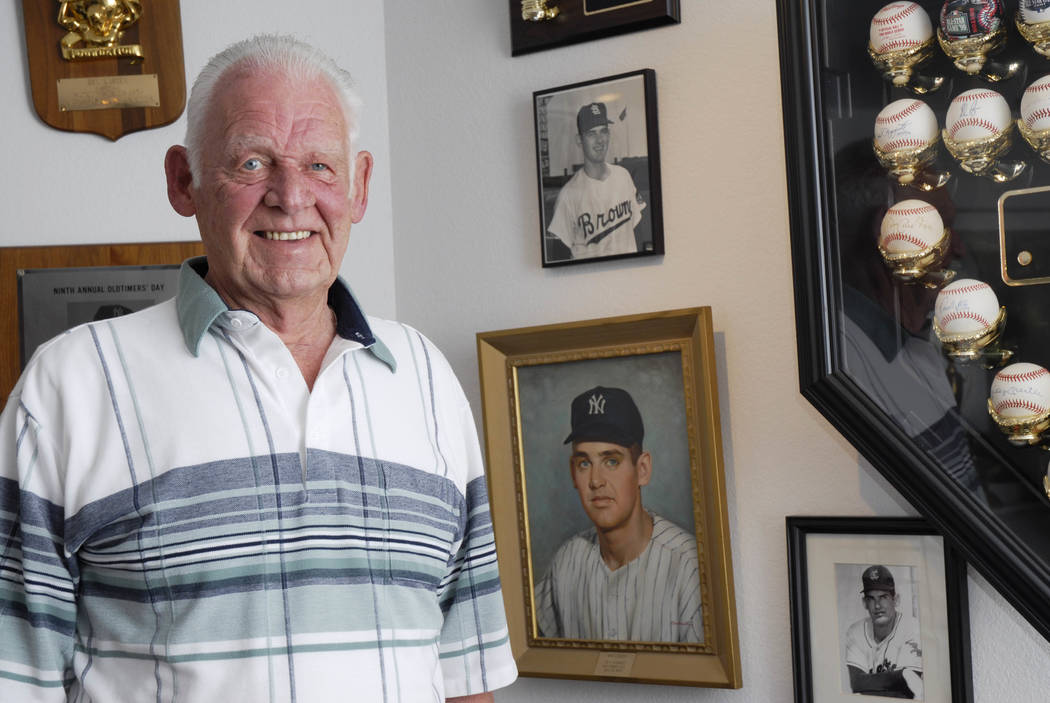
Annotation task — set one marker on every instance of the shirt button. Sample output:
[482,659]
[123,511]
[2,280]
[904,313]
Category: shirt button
[282,372]
[236,323]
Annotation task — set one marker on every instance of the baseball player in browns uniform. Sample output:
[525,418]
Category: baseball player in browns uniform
[599,207]
[633,575]
[883,651]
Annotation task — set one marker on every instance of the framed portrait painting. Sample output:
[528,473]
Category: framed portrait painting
[879,610]
[608,499]
[598,170]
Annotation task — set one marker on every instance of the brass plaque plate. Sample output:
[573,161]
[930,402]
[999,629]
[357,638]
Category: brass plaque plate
[108,92]
[109,68]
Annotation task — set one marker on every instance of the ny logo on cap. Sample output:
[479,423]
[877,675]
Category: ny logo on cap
[597,405]
[873,574]
[595,110]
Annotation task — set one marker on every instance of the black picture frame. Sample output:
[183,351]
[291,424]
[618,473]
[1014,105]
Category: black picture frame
[938,598]
[628,222]
[831,94]
[584,20]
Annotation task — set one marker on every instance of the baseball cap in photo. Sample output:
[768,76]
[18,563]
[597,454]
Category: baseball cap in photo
[877,578]
[604,414]
[590,116]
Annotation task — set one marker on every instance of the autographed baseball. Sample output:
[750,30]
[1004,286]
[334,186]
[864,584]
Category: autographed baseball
[899,26]
[910,226]
[962,19]
[1035,105]
[966,306]
[1021,390]
[1034,11]
[977,114]
[905,124]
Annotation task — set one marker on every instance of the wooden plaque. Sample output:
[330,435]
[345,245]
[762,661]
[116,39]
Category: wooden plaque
[110,91]
[13,259]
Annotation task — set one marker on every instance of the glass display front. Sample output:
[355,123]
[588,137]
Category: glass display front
[920,189]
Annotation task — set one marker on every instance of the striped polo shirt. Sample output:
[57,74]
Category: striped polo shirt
[183,520]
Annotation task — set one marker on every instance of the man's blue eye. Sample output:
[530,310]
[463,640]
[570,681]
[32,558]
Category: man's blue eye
[252,164]
[318,167]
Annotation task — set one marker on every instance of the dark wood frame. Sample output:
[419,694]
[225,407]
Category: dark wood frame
[957,616]
[1002,543]
[716,661]
[14,258]
[572,25]
[548,186]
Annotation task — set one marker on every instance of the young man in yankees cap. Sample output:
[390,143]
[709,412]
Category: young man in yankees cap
[883,650]
[599,207]
[633,575]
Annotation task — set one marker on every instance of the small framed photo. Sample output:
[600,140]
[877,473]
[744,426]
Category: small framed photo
[605,473]
[878,609]
[536,25]
[598,168]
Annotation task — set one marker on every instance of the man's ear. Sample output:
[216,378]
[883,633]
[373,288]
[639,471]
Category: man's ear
[645,468]
[180,181]
[359,194]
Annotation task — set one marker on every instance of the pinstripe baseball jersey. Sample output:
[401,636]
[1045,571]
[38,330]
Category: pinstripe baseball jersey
[182,520]
[654,598]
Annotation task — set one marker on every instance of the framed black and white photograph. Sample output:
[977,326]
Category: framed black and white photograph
[598,170]
[607,487]
[878,609]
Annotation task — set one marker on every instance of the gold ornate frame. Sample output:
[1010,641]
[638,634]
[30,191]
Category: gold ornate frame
[687,332]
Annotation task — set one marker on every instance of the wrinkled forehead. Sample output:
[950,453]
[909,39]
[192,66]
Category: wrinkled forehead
[263,105]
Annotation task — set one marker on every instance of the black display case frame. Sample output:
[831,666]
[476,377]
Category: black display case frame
[831,94]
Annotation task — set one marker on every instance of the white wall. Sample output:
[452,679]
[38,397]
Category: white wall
[68,188]
[449,119]
[466,228]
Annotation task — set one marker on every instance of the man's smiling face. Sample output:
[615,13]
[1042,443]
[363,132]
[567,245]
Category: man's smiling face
[277,191]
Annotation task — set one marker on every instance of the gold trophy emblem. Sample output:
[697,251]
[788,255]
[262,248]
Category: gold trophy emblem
[99,24]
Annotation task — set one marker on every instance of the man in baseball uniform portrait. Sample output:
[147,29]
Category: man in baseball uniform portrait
[632,575]
[599,207]
[883,651]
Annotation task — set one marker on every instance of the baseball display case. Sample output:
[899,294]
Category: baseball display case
[918,168]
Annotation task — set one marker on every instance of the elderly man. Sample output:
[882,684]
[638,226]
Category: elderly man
[251,492]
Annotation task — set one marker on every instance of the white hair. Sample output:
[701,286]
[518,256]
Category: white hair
[282,54]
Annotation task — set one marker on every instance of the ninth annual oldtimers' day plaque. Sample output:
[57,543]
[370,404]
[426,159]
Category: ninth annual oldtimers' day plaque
[105,66]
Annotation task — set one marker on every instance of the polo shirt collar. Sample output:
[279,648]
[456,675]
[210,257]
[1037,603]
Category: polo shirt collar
[198,306]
